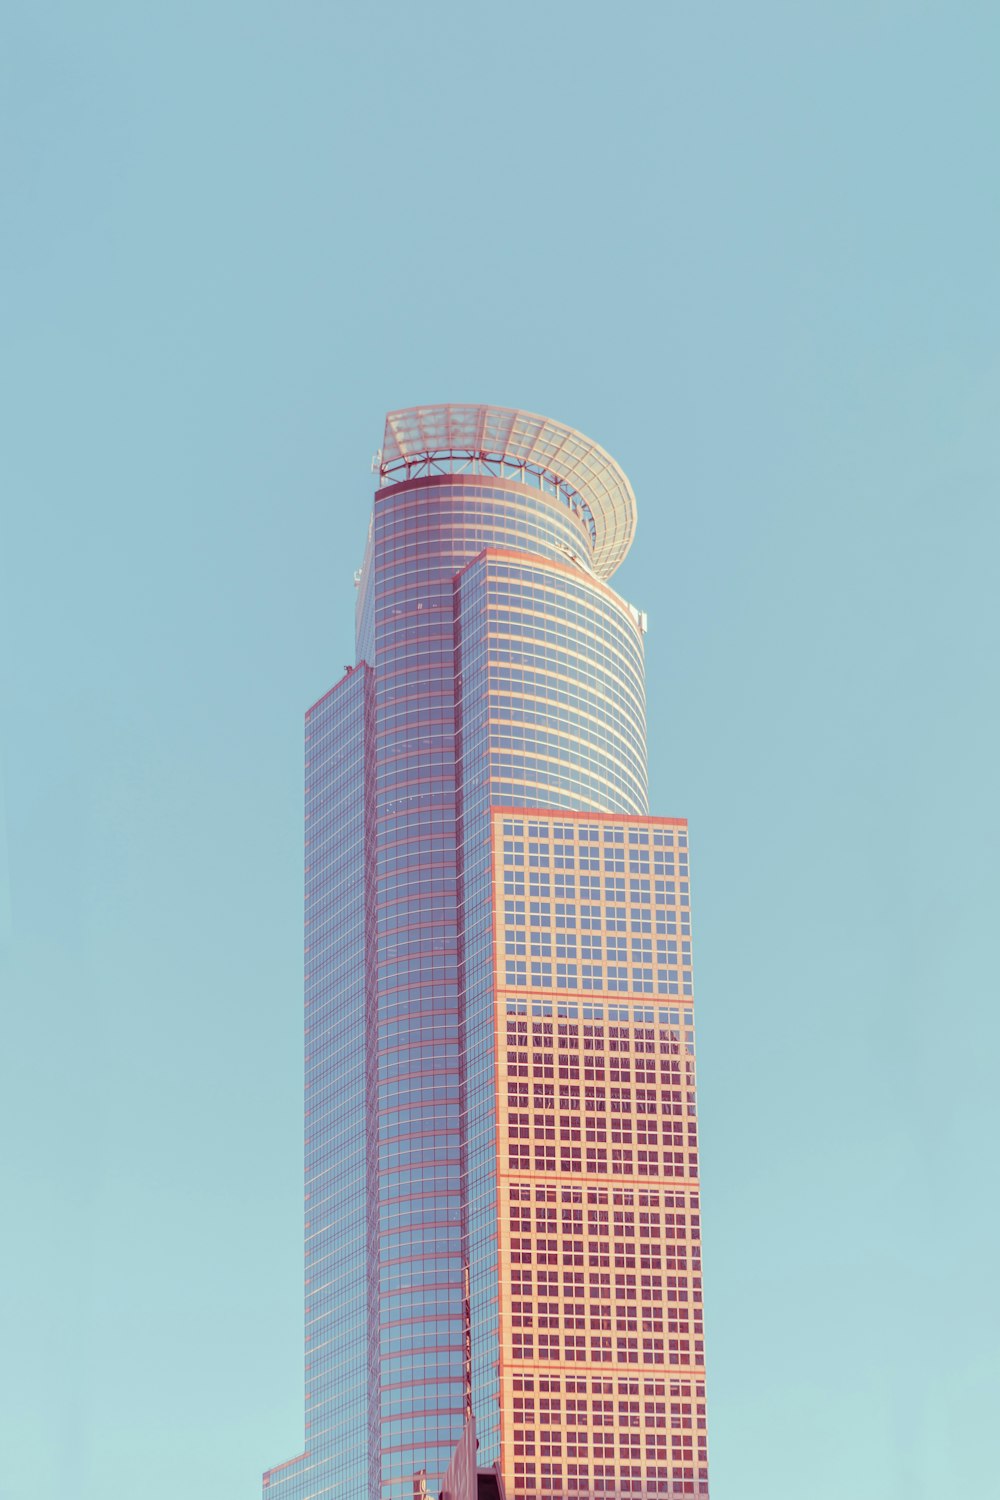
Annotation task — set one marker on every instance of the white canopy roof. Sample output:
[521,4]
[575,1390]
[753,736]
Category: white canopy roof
[443,438]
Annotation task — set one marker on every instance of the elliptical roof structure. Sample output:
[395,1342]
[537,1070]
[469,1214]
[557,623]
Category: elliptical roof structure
[520,445]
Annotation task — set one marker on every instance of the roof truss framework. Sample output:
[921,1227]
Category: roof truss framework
[520,445]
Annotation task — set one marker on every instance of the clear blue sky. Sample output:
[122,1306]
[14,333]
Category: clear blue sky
[753,250]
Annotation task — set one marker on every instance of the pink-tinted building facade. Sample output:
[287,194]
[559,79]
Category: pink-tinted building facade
[502,1205]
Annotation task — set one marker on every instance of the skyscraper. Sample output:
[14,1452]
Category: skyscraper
[502,1208]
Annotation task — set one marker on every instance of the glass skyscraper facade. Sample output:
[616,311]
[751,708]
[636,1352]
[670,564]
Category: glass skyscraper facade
[502,1206]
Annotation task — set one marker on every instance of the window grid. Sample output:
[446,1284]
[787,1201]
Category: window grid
[601,1328]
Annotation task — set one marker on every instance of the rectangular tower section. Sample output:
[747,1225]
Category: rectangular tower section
[600,1295]
[336,1459]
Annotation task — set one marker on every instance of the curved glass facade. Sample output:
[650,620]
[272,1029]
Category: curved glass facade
[495,671]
